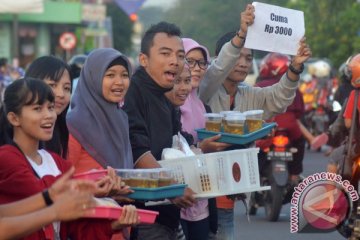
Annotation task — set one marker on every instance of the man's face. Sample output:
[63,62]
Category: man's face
[165,60]
[242,66]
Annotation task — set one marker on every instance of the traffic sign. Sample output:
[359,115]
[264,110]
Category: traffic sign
[67,40]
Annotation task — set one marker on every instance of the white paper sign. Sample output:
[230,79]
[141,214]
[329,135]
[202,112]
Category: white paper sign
[275,29]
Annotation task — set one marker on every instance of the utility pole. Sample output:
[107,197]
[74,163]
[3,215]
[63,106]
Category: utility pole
[15,40]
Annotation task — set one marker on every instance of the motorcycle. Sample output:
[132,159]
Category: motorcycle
[277,152]
[349,169]
[318,95]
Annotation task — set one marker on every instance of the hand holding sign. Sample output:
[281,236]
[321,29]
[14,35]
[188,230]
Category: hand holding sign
[303,53]
[275,29]
[297,63]
[246,19]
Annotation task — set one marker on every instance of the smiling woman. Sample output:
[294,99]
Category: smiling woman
[116,81]
[181,89]
[56,73]
[99,132]
[102,86]
[26,118]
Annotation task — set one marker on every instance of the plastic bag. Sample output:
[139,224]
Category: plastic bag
[180,148]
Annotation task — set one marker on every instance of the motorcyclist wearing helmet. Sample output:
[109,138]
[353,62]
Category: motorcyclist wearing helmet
[353,71]
[345,87]
[339,129]
[272,67]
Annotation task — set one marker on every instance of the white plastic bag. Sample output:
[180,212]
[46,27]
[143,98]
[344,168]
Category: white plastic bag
[180,148]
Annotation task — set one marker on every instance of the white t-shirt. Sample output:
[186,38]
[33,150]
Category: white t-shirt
[47,167]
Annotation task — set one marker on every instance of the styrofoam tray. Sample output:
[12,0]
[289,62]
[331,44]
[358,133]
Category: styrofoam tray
[236,138]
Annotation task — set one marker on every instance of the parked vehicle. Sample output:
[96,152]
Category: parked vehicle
[276,152]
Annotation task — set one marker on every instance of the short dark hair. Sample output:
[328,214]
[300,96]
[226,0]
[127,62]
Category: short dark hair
[47,67]
[224,39]
[162,27]
[53,68]
[20,93]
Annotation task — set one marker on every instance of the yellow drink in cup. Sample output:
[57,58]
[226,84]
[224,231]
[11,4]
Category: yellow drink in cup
[234,124]
[224,114]
[213,122]
[254,120]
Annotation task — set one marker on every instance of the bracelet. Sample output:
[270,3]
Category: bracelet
[47,198]
[296,71]
[241,37]
[231,41]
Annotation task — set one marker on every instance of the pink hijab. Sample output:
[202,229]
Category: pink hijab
[192,112]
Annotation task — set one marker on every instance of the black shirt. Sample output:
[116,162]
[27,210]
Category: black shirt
[152,125]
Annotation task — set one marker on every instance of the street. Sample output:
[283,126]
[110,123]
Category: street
[260,228]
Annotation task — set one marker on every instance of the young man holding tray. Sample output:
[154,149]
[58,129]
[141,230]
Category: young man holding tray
[230,94]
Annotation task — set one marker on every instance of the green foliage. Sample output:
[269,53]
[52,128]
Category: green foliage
[332,26]
[122,28]
[150,15]
[207,20]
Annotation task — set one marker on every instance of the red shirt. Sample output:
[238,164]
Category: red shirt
[80,158]
[350,105]
[293,112]
[18,181]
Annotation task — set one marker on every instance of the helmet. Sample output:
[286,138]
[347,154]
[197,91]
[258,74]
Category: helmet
[320,69]
[76,63]
[344,71]
[274,65]
[353,69]
[78,60]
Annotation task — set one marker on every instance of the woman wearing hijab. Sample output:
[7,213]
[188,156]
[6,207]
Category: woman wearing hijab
[99,131]
[98,126]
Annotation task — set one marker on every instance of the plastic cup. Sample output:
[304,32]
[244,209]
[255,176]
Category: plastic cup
[165,177]
[213,122]
[254,120]
[125,176]
[234,124]
[143,178]
[152,177]
[227,113]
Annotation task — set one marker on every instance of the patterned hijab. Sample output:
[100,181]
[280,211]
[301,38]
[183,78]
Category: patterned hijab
[101,127]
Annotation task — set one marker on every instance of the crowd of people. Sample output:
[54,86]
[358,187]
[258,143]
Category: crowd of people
[118,117]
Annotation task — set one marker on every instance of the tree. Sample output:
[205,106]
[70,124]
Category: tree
[150,15]
[206,21]
[122,28]
[332,26]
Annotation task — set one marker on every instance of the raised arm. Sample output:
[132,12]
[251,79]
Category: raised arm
[275,99]
[221,67]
